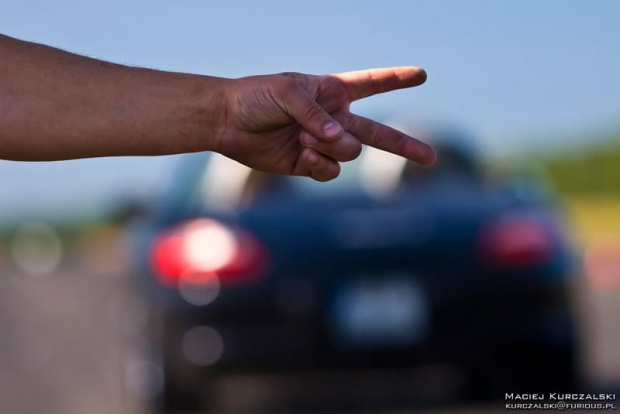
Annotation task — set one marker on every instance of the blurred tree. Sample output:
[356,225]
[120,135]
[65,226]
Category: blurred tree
[586,171]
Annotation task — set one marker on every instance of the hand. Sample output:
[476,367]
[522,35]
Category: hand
[64,106]
[299,124]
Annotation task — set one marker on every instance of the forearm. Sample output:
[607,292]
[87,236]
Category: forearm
[56,105]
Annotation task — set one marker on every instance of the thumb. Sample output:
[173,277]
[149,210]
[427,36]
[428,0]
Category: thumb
[312,117]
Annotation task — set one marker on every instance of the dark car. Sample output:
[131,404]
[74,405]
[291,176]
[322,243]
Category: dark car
[392,284]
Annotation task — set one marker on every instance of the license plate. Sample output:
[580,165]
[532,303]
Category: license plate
[380,312]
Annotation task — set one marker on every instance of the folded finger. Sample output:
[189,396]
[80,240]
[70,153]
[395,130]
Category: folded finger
[319,167]
[346,148]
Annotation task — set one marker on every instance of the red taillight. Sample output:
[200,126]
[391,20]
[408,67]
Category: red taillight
[513,242]
[201,249]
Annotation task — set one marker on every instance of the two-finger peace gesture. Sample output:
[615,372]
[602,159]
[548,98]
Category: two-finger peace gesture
[299,124]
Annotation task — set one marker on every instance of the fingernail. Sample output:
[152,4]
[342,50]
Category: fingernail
[309,139]
[423,75]
[311,157]
[332,129]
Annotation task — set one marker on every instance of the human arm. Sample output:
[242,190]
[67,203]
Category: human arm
[56,105]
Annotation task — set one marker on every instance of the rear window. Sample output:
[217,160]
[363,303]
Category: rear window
[226,184]
[212,182]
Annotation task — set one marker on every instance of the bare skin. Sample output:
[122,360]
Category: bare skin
[56,105]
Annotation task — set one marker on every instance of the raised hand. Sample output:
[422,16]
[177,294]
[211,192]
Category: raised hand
[298,124]
[56,105]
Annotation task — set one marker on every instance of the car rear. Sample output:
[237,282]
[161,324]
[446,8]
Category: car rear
[448,274]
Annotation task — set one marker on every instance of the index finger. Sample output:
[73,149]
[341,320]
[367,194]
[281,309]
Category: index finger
[363,83]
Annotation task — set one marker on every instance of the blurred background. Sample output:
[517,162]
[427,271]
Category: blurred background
[187,283]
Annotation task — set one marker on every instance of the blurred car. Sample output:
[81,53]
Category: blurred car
[391,268]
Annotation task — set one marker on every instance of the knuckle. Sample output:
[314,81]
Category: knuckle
[323,177]
[287,84]
[404,145]
[335,172]
[322,166]
[354,151]
[314,112]
[347,121]
[333,83]
[347,155]
[374,84]
[291,75]
[378,136]
[325,171]
[329,174]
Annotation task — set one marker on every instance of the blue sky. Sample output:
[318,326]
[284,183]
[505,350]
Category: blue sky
[516,73]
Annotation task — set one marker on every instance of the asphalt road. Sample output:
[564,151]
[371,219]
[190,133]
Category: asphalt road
[63,343]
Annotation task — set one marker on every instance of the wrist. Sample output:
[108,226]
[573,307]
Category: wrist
[210,113]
